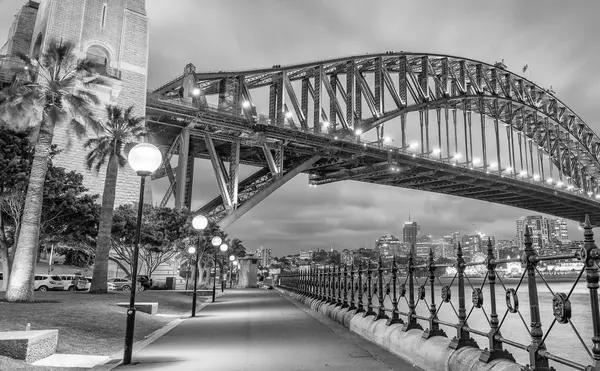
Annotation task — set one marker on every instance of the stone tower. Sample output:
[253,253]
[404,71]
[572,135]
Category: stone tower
[114,33]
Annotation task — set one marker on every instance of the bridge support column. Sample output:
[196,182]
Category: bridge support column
[182,176]
[248,272]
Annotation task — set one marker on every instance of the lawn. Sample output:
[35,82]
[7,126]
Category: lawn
[86,323]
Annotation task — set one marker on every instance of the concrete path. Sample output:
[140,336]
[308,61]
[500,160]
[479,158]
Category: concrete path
[261,330]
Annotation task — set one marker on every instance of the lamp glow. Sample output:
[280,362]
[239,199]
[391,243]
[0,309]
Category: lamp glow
[536,177]
[231,257]
[223,247]
[509,169]
[559,184]
[476,160]
[387,140]
[549,180]
[288,115]
[413,145]
[192,250]
[590,194]
[523,173]
[216,241]
[199,222]
[235,262]
[358,131]
[196,92]
[493,165]
[246,104]
[144,158]
[436,151]
[457,156]
[598,196]
[325,124]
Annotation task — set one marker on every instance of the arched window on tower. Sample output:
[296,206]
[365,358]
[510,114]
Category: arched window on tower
[37,46]
[100,56]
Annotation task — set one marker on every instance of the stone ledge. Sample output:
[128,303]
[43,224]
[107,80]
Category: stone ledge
[428,354]
[149,307]
[29,346]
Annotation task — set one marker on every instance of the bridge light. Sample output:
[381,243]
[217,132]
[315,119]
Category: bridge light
[436,151]
[358,131]
[559,184]
[570,187]
[288,115]
[509,170]
[536,177]
[196,92]
[325,124]
[457,156]
[246,104]
[413,145]
[549,180]
[335,137]
[387,140]
[493,165]
[476,160]
[590,193]
[598,196]
[523,173]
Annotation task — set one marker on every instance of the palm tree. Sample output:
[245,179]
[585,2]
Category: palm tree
[239,250]
[120,131]
[49,93]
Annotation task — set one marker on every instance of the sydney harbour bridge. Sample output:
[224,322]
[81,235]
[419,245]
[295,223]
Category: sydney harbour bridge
[428,122]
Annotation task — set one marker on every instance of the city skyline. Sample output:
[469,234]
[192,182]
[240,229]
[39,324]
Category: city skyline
[352,213]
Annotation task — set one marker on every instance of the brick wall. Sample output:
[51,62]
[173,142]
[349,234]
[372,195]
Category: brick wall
[20,33]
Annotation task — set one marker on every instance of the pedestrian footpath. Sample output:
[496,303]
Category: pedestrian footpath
[255,329]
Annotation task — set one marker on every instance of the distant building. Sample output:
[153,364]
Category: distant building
[410,232]
[545,232]
[264,256]
[388,245]
[306,255]
[347,257]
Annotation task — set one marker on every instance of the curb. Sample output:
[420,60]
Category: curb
[115,359]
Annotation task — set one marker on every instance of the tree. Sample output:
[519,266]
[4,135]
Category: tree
[164,234]
[238,248]
[68,213]
[121,130]
[48,96]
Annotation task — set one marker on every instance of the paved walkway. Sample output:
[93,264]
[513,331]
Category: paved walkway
[260,330]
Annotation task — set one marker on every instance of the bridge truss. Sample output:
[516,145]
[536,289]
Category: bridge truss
[319,114]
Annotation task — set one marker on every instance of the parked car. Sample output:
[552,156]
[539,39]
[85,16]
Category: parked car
[111,286]
[122,284]
[44,282]
[69,282]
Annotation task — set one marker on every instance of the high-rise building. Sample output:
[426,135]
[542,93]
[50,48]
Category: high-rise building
[264,256]
[112,33]
[410,232]
[545,232]
[388,245]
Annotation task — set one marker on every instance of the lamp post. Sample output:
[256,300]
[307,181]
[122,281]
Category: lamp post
[216,241]
[224,247]
[231,259]
[235,264]
[144,159]
[199,223]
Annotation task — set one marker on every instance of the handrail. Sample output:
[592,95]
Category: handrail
[378,290]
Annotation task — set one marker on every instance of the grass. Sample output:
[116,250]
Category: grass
[87,323]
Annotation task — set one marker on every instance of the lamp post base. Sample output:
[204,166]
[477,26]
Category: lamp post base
[128,352]
[194,303]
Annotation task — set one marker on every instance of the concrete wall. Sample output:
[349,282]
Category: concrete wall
[21,31]
[432,354]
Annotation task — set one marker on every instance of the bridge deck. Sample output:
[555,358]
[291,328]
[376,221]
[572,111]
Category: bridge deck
[260,330]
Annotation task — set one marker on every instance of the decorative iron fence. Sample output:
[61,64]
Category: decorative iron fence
[377,290]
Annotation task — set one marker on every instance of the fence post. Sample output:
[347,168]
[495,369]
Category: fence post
[329,284]
[462,338]
[339,301]
[361,290]
[380,293]
[335,285]
[395,318]
[345,299]
[369,311]
[589,254]
[536,361]
[352,289]
[411,320]
[495,350]
[434,327]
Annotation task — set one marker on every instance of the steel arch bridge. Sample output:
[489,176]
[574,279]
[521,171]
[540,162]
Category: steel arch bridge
[447,114]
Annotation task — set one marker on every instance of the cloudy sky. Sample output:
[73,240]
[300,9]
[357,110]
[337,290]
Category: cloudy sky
[557,39]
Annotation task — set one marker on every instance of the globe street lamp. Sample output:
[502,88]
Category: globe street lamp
[224,247]
[216,241]
[231,259]
[199,223]
[144,159]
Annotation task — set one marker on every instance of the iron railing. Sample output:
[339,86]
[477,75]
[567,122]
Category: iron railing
[378,291]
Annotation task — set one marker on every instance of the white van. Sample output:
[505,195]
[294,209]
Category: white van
[44,282]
